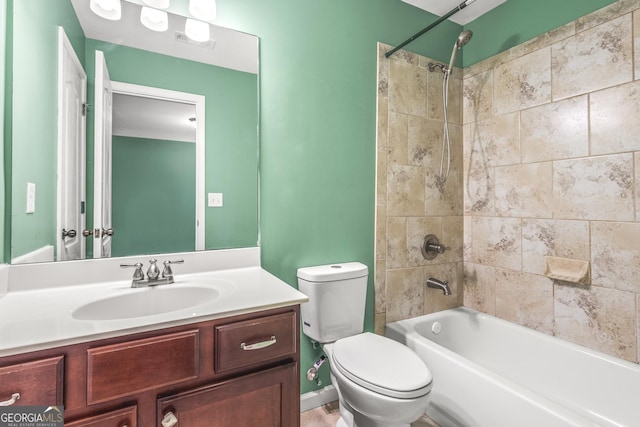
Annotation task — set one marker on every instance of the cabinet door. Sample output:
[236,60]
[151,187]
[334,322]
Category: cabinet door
[38,382]
[265,399]
[125,417]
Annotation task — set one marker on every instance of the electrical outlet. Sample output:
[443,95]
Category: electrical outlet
[215,200]
[31,197]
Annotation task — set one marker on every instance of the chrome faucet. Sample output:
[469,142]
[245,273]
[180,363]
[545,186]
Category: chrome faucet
[439,284]
[153,273]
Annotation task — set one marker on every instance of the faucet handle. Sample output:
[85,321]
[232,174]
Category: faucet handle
[137,274]
[167,272]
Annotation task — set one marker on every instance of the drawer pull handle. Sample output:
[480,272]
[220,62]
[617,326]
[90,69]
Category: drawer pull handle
[169,420]
[14,397]
[259,345]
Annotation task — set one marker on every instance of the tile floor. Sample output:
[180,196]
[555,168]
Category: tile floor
[327,416]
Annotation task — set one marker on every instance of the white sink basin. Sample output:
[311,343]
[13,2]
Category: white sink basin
[146,302]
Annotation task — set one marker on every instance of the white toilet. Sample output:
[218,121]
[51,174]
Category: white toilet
[380,382]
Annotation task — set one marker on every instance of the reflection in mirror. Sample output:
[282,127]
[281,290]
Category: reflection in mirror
[155,134]
[230,91]
[71,140]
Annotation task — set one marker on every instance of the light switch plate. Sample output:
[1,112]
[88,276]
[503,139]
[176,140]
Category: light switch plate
[31,197]
[214,200]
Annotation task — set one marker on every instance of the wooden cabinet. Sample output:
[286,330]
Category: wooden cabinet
[262,399]
[36,382]
[234,371]
[125,417]
[122,369]
[254,342]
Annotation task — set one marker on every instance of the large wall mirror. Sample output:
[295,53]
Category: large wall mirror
[179,117]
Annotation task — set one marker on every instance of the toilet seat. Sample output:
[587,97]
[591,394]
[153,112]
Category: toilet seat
[382,365]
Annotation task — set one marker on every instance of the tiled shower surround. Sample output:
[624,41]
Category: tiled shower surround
[546,162]
[410,203]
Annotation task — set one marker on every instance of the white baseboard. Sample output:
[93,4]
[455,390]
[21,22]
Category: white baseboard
[321,397]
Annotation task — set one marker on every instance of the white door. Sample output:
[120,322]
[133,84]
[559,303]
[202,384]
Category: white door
[102,160]
[72,96]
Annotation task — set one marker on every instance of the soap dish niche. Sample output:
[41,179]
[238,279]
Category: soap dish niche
[567,269]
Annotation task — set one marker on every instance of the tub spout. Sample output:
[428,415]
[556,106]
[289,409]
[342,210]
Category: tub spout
[439,284]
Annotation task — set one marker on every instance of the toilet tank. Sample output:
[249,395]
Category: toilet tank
[337,295]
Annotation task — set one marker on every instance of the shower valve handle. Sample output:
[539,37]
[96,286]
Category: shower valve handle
[440,248]
[431,247]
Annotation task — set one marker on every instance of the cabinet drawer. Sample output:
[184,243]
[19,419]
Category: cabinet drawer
[39,382]
[122,369]
[261,399]
[125,417]
[255,341]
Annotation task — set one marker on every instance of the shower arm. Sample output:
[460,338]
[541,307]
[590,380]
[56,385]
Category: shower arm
[438,21]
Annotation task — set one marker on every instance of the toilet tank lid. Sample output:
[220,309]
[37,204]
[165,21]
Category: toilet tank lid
[331,272]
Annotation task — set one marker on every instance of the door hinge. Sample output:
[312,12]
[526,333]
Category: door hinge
[82,204]
[85,108]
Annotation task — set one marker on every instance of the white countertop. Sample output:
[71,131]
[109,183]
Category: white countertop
[36,319]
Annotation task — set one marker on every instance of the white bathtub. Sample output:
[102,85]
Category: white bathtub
[488,372]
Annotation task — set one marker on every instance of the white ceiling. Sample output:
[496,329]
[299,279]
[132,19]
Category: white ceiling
[462,17]
[153,118]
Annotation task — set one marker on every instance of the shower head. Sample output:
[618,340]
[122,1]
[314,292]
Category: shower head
[462,40]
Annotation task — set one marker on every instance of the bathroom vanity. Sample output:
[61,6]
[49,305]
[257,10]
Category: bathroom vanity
[231,361]
[201,371]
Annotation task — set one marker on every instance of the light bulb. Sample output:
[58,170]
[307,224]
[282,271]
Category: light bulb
[107,9]
[157,4]
[204,10]
[197,31]
[153,19]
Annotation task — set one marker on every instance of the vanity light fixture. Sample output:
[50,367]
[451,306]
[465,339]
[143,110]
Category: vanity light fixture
[197,31]
[157,4]
[204,10]
[154,19]
[107,9]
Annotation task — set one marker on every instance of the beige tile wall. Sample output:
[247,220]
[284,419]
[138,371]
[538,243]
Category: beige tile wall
[552,167]
[410,203]
[546,161]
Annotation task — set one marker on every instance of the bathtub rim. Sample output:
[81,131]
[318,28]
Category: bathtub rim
[547,337]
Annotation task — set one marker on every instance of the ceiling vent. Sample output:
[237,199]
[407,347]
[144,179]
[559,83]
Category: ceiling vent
[182,37]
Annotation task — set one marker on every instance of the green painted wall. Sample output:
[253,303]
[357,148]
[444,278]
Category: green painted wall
[318,118]
[34,110]
[318,127]
[3,75]
[154,196]
[517,21]
[231,148]
[7,131]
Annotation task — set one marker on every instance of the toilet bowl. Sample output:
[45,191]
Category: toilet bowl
[380,382]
